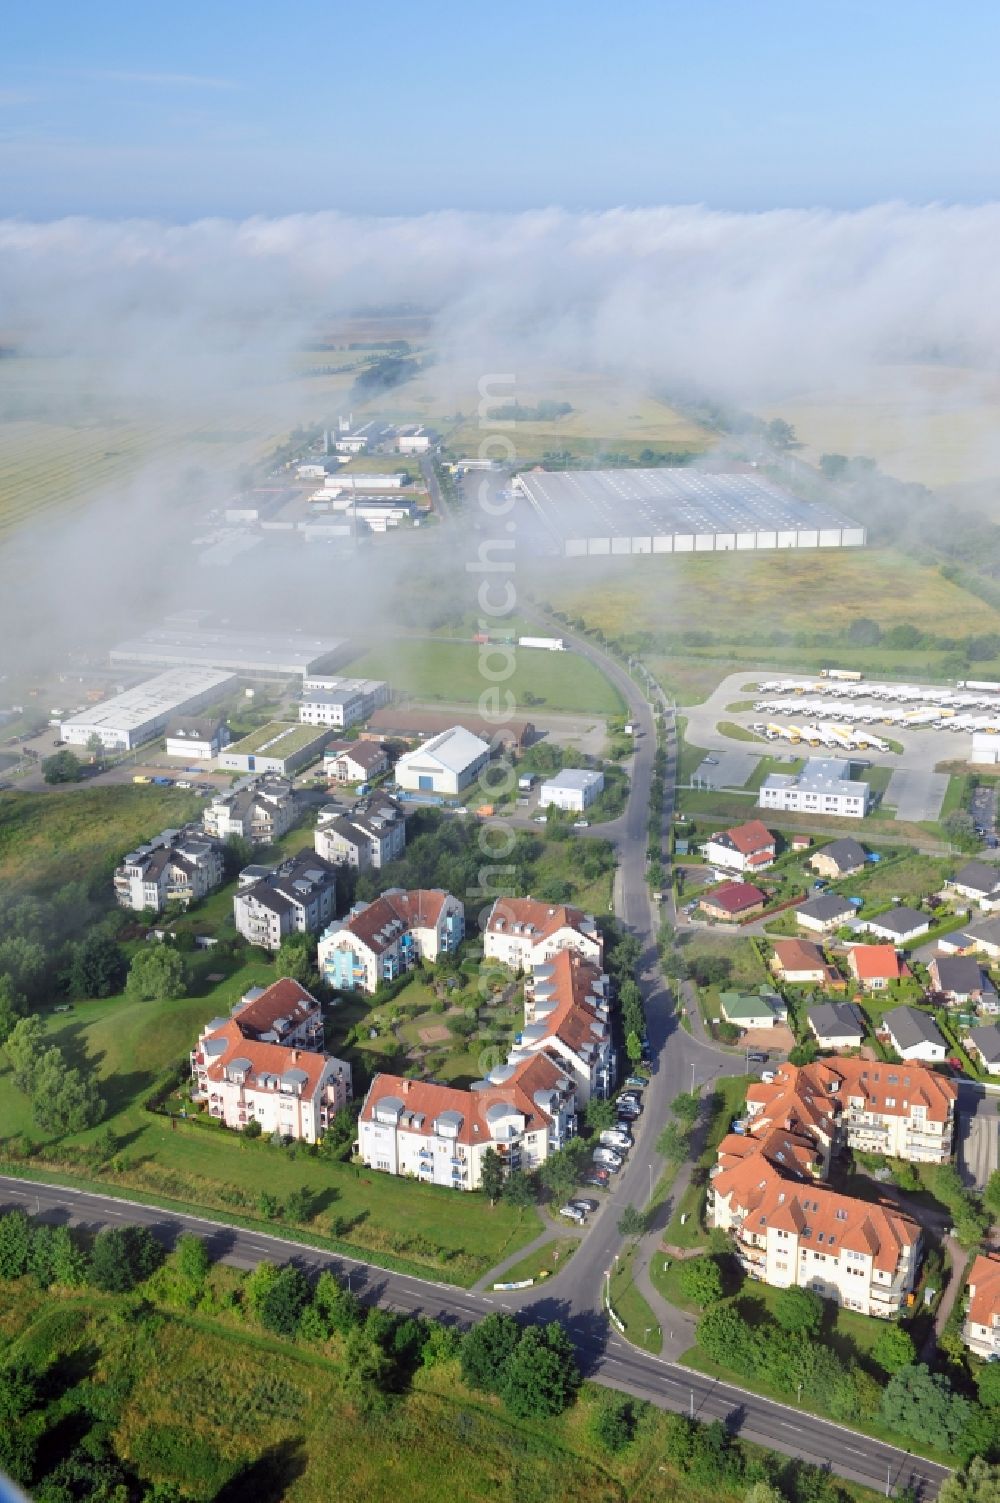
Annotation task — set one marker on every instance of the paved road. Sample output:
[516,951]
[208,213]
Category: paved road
[978,1134]
[606,1359]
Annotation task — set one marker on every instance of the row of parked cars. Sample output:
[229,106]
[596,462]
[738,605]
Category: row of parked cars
[612,1148]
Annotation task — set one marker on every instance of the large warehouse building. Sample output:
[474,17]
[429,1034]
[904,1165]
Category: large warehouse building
[140,714]
[256,654]
[594,513]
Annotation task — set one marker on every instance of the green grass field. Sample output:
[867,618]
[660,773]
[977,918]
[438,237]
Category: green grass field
[451,672]
[48,839]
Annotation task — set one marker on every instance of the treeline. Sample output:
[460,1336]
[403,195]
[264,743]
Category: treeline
[567,459]
[541,412]
[382,376]
[887,1389]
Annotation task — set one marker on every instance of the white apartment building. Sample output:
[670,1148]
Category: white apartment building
[446,763]
[372,835]
[297,897]
[178,866]
[574,789]
[526,932]
[567,1015]
[381,940]
[243,1076]
[259,810]
[439,1135]
[981,1331]
[824,786]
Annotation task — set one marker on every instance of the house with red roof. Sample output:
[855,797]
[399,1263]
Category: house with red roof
[440,1134]
[875,966]
[381,940]
[252,1066]
[567,1014]
[981,1331]
[744,848]
[733,901]
[526,932]
[803,964]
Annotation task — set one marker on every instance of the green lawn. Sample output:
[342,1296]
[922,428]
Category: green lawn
[732,1090]
[546,1260]
[452,672]
[632,1307]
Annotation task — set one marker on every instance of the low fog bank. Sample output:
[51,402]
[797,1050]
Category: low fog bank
[177,319]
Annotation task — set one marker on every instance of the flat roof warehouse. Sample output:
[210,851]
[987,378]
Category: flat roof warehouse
[594,513]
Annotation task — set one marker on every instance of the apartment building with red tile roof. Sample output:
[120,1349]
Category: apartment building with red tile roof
[567,1014]
[381,940]
[526,932]
[981,1331]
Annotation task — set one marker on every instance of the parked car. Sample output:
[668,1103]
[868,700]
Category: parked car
[541,819]
[956,1065]
[767,1076]
[757,1056]
[637,1082]
[620,1140]
[627,1096]
[599,1178]
[581,824]
[585,1205]
[607,1158]
[573,1213]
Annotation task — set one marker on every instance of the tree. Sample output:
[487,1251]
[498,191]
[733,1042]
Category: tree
[542,1376]
[296,958]
[298,1206]
[24,1047]
[600,1113]
[156,973]
[62,1099]
[561,1171]
[921,1405]
[491,1175]
[799,1311]
[518,1189]
[282,1302]
[367,1372]
[23,959]
[97,967]
[978,1483]
[672,1142]
[15,1244]
[69,1265]
[685,1108]
[701,1281]
[487,1350]
[123,1256]
[988,1383]
[780,434]
[991,1195]
[633,1048]
[340,1309]
[13,1005]
[612,1423]
[63,767]
[632,1222]
[893,1349]
[193,1261]
[268,1205]
[864,632]
[95,746]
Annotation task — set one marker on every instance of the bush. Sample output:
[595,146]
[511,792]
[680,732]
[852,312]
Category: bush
[122,1257]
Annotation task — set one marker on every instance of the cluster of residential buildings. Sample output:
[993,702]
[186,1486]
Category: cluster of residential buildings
[525,1109]
[767,1187]
[298,896]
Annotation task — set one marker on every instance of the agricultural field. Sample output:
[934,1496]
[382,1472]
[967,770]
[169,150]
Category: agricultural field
[744,598]
[931,424]
[450,672]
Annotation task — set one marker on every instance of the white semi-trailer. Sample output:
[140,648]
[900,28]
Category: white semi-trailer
[551,644]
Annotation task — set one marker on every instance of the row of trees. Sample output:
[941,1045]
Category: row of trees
[785,1352]
[63,1099]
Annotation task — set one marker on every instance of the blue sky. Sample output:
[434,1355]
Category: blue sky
[185,110]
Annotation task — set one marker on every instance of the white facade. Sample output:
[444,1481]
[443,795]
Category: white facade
[379,941]
[261,812]
[446,763]
[142,713]
[574,789]
[369,837]
[179,866]
[196,741]
[299,897]
[523,933]
[289,1091]
[823,787]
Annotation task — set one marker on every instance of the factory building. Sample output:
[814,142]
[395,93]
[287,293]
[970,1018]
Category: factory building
[143,713]
[249,653]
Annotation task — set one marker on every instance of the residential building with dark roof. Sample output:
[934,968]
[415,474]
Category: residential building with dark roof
[178,866]
[841,858]
[355,761]
[259,810]
[824,914]
[381,940]
[984,1044]
[745,848]
[298,897]
[979,881]
[836,1025]
[960,979]
[196,739]
[899,924]
[913,1034]
[368,838]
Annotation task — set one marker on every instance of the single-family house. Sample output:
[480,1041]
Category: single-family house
[986,938]
[381,940]
[981,1331]
[958,942]
[841,858]
[984,1044]
[913,1034]
[899,924]
[745,848]
[960,979]
[824,914]
[978,881]
[875,966]
[526,932]
[733,901]
[800,963]
[746,1010]
[837,1025]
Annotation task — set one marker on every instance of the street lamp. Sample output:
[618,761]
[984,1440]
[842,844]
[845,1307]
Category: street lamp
[692,1077]
[650,1182]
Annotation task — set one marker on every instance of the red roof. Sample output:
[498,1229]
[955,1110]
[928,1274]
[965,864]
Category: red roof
[533,914]
[876,963]
[753,837]
[265,1059]
[734,897]
[380,923]
[282,999]
[426,1099]
[984,1285]
[799,955]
